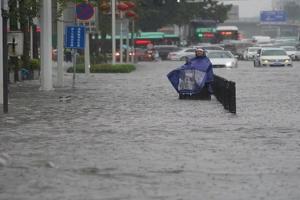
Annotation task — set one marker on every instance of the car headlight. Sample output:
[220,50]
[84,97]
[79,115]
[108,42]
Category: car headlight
[229,64]
[287,60]
[265,61]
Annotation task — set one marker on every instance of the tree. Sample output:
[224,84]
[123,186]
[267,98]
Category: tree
[292,9]
[155,15]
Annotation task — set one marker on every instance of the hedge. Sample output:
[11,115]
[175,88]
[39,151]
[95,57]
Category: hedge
[104,68]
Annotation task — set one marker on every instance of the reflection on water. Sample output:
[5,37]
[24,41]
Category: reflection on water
[128,136]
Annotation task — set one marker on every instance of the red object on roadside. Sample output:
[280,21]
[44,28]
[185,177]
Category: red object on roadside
[122,6]
[130,13]
[130,4]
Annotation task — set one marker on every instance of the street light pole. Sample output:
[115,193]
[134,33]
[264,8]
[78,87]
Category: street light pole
[1,62]
[4,13]
[113,30]
[46,46]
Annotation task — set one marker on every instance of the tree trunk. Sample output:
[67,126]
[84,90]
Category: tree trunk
[24,22]
[13,26]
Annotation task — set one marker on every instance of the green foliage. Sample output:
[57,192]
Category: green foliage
[34,64]
[154,16]
[292,8]
[105,68]
[95,59]
[98,59]
[109,68]
[80,59]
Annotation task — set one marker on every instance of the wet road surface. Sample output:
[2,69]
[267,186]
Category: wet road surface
[128,136]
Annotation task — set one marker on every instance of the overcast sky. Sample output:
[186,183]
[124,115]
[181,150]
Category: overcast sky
[252,8]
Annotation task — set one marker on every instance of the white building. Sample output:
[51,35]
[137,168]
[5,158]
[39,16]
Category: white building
[279,4]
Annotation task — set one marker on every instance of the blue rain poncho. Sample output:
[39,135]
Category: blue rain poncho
[192,76]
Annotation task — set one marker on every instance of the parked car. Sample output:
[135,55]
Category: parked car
[237,48]
[209,47]
[291,51]
[164,50]
[221,58]
[297,55]
[140,54]
[250,53]
[182,54]
[272,57]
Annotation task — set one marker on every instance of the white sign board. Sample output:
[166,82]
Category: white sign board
[15,40]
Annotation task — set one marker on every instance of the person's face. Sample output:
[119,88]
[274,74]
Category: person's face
[199,53]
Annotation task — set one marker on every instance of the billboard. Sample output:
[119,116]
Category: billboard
[273,17]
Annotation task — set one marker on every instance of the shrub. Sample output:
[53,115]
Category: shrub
[105,68]
[109,68]
[80,59]
[97,59]
[79,68]
[34,64]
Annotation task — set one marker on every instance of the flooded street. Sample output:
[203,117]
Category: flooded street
[129,137]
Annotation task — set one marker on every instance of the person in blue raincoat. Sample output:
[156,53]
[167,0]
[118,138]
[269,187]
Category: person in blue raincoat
[194,78]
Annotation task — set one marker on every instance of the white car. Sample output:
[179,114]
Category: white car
[291,51]
[182,54]
[250,53]
[272,57]
[297,55]
[221,58]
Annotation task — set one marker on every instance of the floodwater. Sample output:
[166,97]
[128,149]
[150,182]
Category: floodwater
[129,137]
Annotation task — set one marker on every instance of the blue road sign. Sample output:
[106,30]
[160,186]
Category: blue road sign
[84,11]
[75,37]
[275,16]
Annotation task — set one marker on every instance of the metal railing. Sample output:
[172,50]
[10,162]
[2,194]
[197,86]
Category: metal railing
[224,91]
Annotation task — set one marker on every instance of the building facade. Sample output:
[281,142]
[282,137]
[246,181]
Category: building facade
[279,4]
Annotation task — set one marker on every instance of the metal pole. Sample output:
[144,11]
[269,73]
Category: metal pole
[31,42]
[46,50]
[4,9]
[132,41]
[121,37]
[74,50]
[132,50]
[87,53]
[113,30]
[127,45]
[1,62]
[60,50]
[74,67]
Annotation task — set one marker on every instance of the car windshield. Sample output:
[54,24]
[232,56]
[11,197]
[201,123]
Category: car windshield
[273,52]
[224,54]
[289,48]
[212,48]
[253,50]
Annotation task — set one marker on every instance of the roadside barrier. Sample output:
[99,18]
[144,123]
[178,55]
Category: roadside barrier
[224,91]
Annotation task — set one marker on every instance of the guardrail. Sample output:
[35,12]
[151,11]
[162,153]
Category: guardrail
[224,91]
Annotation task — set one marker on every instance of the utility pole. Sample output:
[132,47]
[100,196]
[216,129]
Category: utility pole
[46,46]
[4,14]
[1,54]
[113,30]
[60,50]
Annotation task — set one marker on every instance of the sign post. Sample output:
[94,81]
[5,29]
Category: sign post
[75,39]
[85,12]
[4,13]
